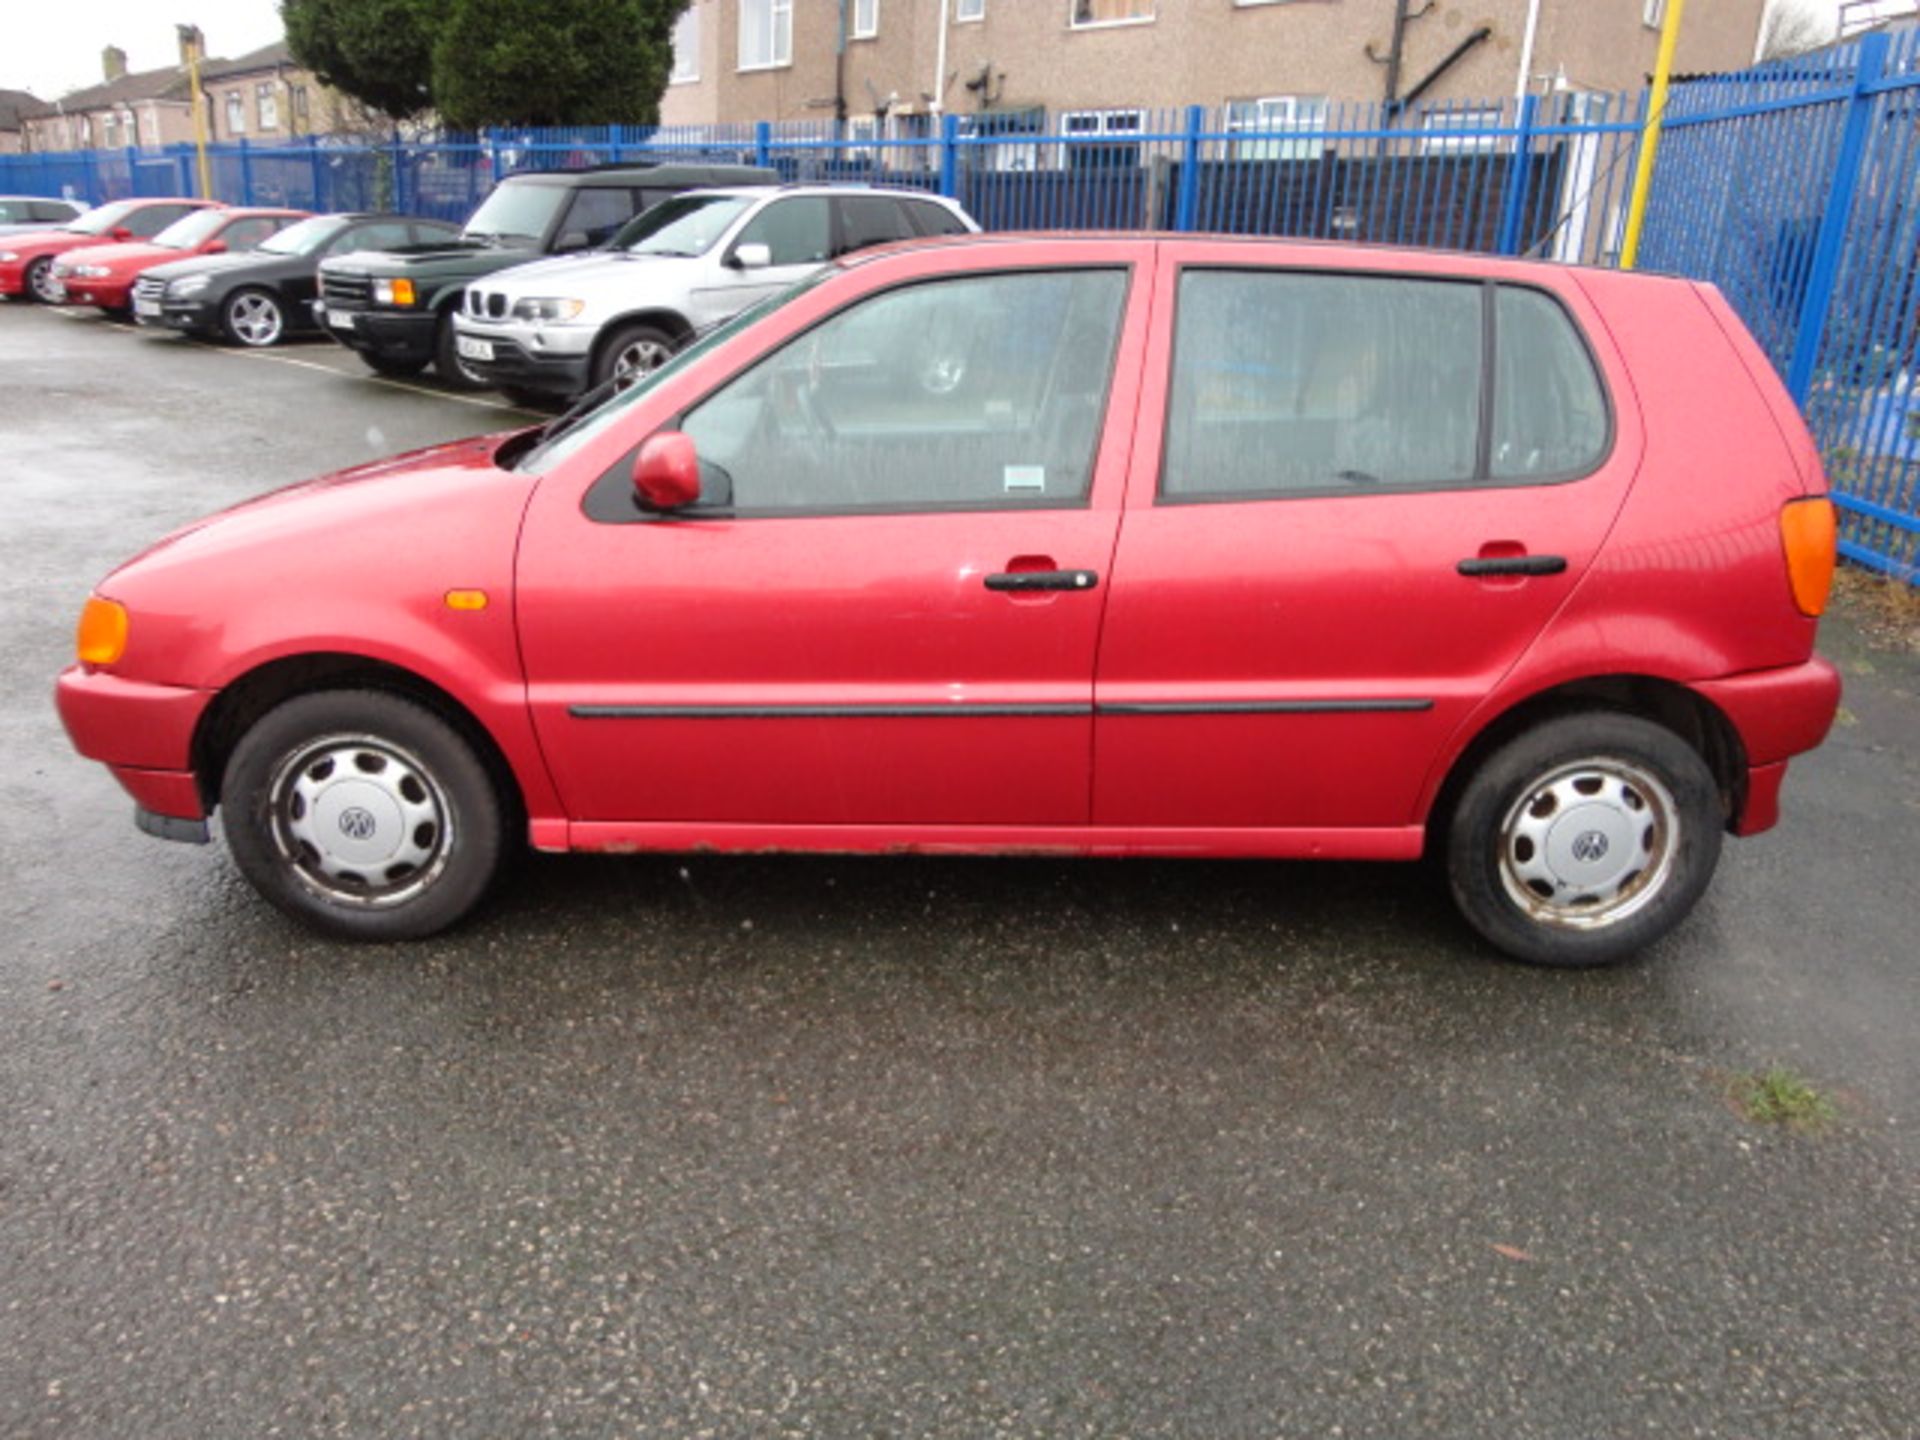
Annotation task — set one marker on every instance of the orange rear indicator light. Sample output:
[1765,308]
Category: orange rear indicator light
[1809,529]
[102,638]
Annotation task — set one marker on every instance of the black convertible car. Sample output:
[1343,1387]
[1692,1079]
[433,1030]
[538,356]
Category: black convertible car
[256,297]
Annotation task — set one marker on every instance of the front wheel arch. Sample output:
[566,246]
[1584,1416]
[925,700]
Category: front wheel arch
[244,700]
[1684,711]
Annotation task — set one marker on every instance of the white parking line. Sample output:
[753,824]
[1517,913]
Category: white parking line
[66,314]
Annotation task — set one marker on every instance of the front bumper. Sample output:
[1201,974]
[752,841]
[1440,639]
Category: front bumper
[524,369]
[142,732]
[108,294]
[196,316]
[392,335]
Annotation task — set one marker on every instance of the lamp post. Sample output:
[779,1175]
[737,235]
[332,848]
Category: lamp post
[1650,138]
[190,43]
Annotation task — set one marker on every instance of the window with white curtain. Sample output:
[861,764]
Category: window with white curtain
[766,34]
[686,47]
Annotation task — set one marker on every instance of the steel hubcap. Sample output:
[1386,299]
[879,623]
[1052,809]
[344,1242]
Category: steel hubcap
[360,820]
[1589,844]
[256,320]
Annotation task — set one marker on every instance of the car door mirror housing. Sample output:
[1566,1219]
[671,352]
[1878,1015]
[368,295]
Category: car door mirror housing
[666,472]
[217,247]
[751,257]
[121,232]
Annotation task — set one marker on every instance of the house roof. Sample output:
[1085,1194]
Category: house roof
[167,84]
[267,57]
[17,106]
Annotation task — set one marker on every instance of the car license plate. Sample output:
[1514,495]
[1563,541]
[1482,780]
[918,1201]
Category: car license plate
[147,309]
[340,319]
[469,348]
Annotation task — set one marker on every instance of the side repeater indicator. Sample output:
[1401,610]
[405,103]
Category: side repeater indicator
[466,599]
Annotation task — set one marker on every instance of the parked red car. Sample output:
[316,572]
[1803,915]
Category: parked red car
[103,275]
[1072,545]
[26,258]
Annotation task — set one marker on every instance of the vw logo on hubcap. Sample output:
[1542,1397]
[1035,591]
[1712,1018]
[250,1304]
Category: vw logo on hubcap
[1588,846]
[358,824]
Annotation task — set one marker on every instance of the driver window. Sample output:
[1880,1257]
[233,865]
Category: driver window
[797,231]
[984,392]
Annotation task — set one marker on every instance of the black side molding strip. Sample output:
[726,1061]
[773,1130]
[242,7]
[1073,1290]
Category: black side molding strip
[988,711]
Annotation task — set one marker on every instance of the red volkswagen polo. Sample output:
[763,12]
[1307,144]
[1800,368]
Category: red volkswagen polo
[1103,546]
[103,275]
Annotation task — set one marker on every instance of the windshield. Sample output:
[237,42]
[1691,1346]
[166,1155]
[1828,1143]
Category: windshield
[186,233]
[684,225]
[101,219]
[523,211]
[543,458]
[301,238]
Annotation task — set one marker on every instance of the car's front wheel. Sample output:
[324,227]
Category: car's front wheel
[363,813]
[253,318]
[1585,839]
[447,363]
[632,353]
[40,282]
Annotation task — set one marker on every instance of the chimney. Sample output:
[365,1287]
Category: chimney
[113,62]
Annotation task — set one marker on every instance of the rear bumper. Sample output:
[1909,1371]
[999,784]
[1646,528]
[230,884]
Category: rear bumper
[1779,713]
[143,733]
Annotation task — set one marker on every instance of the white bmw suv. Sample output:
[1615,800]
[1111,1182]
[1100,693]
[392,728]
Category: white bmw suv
[564,325]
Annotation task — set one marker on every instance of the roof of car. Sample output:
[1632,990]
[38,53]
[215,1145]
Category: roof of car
[903,192]
[640,170]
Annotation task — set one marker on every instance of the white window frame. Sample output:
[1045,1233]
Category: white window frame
[777,18]
[1434,138]
[1072,133]
[686,47]
[868,28]
[150,126]
[1074,22]
[969,12]
[859,128]
[236,112]
[266,105]
[1275,116]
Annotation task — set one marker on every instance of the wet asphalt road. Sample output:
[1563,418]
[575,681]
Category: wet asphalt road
[898,1147]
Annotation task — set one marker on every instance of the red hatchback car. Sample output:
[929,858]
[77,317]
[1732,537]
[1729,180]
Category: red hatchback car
[103,275]
[27,258]
[1104,546]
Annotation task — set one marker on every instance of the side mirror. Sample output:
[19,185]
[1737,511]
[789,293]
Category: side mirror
[751,257]
[121,232]
[666,472]
[218,247]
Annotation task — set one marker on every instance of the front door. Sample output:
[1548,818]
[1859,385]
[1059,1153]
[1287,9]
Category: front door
[1358,496]
[884,608]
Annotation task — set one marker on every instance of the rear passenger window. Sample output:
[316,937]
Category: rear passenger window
[595,215]
[931,219]
[870,220]
[1549,413]
[149,220]
[390,235]
[1288,383]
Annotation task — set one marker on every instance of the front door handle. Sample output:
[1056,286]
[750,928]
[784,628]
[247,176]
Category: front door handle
[1022,580]
[1483,565]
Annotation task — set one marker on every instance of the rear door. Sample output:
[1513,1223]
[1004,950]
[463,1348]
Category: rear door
[1357,496]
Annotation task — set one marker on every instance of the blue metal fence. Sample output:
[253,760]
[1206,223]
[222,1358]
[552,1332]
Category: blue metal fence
[1795,187]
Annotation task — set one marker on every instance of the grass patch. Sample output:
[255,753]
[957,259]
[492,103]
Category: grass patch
[1778,1096]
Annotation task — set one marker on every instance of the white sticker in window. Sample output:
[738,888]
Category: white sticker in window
[1020,479]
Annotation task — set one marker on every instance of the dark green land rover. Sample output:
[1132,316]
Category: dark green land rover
[396,306]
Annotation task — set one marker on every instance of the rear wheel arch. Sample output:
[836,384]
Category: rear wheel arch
[1675,707]
[243,701]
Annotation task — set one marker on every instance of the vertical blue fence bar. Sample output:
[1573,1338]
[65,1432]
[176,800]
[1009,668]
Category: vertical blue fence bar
[1825,262]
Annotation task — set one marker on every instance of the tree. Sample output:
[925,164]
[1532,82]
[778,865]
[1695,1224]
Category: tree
[1791,29]
[378,52]
[553,62]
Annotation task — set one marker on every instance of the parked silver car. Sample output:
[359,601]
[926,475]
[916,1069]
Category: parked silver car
[564,325]
[36,212]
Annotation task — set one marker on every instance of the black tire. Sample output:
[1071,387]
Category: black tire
[375,777]
[1543,866]
[34,279]
[627,338]
[447,363]
[253,317]
[391,366]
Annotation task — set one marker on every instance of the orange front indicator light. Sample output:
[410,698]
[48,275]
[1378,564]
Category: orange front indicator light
[466,599]
[1809,529]
[403,292]
[103,632]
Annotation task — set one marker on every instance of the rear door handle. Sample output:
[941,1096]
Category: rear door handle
[1019,580]
[1513,565]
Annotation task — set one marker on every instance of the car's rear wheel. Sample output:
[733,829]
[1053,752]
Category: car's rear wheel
[253,318]
[447,363]
[362,813]
[39,278]
[1585,839]
[633,352]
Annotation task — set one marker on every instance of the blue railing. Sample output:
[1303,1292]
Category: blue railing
[1794,186]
